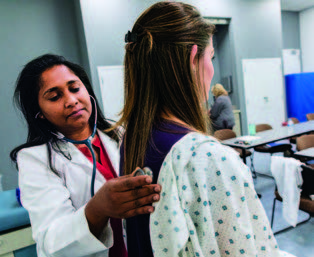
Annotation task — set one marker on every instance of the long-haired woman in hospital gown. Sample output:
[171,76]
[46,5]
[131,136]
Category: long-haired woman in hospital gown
[208,204]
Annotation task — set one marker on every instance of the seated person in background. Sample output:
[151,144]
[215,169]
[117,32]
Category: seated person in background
[221,113]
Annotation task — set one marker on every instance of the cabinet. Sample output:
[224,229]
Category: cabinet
[264,94]
[9,242]
[15,229]
[237,119]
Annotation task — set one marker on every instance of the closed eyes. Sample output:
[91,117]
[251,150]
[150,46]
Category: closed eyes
[57,96]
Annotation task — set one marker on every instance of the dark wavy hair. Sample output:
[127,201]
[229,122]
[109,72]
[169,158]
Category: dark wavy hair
[41,131]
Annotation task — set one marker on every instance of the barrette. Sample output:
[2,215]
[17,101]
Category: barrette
[130,37]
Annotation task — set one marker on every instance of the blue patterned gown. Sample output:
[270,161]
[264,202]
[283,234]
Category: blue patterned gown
[208,204]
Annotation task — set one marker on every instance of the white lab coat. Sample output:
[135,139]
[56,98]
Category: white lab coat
[56,203]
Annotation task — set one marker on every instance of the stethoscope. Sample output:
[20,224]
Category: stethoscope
[88,143]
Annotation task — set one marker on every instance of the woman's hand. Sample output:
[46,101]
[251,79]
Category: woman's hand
[121,197]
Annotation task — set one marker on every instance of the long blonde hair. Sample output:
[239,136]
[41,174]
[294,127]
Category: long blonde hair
[158,77]
[218,90]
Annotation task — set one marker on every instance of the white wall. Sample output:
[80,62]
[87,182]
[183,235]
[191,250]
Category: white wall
[105,24]
[307,39]
[29,29]
[255,32]
[290,30]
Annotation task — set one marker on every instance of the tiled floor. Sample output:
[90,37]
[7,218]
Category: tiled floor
[298,241]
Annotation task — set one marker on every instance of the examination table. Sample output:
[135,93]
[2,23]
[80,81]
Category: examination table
[15,230]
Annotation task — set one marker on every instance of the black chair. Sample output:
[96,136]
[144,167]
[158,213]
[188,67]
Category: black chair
[280,148]
[293,140]
[306,203]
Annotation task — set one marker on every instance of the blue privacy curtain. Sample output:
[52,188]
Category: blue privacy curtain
[300,95]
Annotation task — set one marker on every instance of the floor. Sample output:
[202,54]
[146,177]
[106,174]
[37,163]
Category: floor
[299,240]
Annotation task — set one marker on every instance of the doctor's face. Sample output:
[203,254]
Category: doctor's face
[64,101]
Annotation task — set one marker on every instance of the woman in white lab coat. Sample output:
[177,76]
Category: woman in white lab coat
[59,105]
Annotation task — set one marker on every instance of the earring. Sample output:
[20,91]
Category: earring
[39,115]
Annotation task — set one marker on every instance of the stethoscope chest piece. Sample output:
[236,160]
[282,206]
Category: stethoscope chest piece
[144,171]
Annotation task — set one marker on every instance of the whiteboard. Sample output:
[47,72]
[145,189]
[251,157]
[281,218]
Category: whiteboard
[264,91]
[112,90]
[291,61]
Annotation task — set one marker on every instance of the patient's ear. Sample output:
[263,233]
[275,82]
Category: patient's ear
[193,59]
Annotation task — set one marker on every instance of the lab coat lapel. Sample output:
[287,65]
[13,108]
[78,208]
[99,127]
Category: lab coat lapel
[111,147]
[78,158]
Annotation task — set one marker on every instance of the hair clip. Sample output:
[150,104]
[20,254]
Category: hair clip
[130,37]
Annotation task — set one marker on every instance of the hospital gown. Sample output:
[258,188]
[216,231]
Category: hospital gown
[208,204]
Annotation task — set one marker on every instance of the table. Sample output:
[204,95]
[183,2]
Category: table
[273,135]
[307,153]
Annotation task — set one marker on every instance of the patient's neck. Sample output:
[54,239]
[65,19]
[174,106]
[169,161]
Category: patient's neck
[171,117]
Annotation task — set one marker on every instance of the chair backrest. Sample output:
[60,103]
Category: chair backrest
[224,134]
[262,127]
[310,116]
[295,120]
[305,141]
[308,182]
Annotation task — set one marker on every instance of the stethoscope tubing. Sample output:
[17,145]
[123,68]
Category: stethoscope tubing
[88,143]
